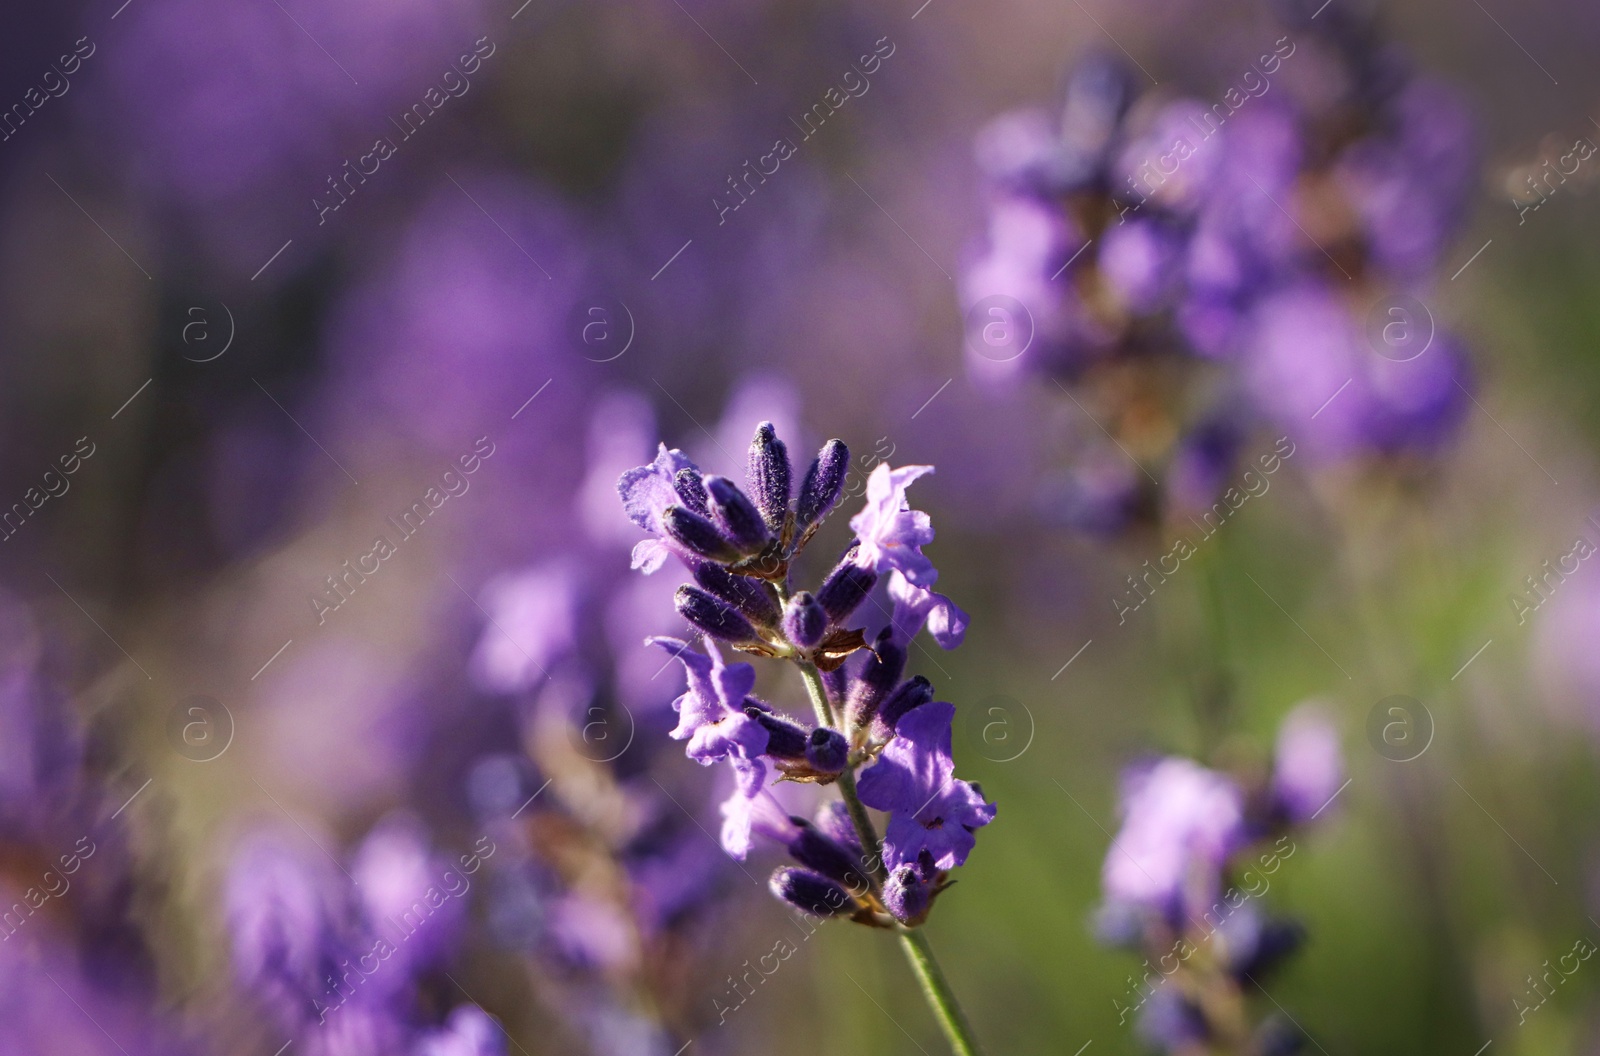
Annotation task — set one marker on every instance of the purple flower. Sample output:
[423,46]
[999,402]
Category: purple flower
[409,894]
[532,623]
[1411,185]
[890,532]
[647,492]
[54,999]
[1140,262]
[751,809]
[281,910]
[916,607]
[1307,768]
[914,780]
[711,713]
[1181,823]
[1304,347]
[470,1031]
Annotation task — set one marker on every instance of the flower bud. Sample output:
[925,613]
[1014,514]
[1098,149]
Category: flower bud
[785,739]
[692,490]
[769,475]
[846,587]
[742,592]
[811,892]
[909,695]
[906,894]
[827,751]
[697,534]
[804,621]
[713,616]
[876,679]
[833,821]
[736,515]
[815,850]
[823,484]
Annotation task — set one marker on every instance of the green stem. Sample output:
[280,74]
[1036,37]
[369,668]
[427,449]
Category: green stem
[935,988]
[819,695]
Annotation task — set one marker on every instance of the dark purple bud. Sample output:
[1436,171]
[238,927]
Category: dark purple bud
[713,616]
[1265,946]
[815,850]
[827,751]
[846,587]
[876,679]
[906,894]
[833,821]
[811,892]
[804,620]
[836,683]
[785,739]
[824,481]
[743,593]
[909,695]
[692,490]
[769,475]
[697,533]
[736,515]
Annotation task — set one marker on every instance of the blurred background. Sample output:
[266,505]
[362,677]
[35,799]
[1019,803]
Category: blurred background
[329,328]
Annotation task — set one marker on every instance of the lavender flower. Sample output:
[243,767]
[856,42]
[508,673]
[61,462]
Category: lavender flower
[1181,824]
[1139,234]
[890,533]
[1307,768]
[1178,881]
[914,781]
[711,714]
[336,962]
[739,551]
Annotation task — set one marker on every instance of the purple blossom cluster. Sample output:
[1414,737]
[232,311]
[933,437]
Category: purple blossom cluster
[76,967]
[738,545]
[1197,268]
[1183,881]
[341,963]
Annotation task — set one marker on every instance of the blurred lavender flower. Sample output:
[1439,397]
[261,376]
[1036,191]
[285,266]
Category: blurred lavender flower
[338,965]
[1177,882]
[1145,243]
[1307,767]
[76,972]
[234,119]
[1181,824]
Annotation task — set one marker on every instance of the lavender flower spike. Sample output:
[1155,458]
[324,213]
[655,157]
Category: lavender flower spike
[892,534]
[914,780]
[740,546]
